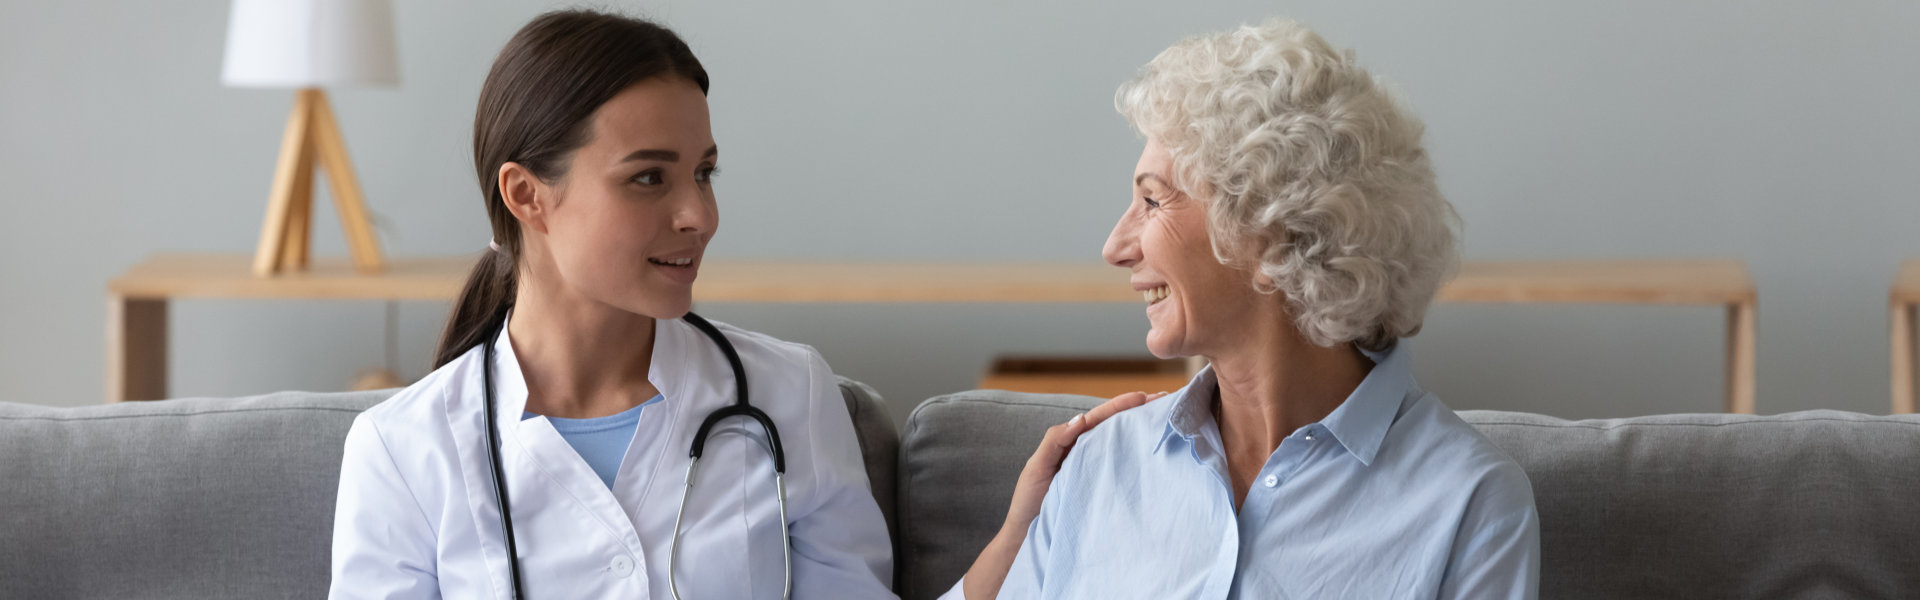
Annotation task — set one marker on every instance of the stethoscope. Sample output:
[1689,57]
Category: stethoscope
[739,408]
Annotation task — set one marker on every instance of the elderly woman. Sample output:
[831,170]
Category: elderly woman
[1285,225]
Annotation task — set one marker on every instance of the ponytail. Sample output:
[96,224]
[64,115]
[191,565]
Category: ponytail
[482,306]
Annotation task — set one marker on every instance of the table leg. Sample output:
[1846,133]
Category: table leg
[1900,317]
[136,349]
[1740,346]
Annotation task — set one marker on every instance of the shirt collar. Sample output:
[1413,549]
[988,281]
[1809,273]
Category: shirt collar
[1360,423]
[1192,409]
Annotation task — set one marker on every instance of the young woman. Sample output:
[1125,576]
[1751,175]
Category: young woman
[547,454]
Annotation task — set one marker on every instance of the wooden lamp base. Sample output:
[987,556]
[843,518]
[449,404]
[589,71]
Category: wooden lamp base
[313,138]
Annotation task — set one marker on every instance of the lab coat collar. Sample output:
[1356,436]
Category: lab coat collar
[670,344]
[509,385]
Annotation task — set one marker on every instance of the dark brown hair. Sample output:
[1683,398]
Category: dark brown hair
[535,110]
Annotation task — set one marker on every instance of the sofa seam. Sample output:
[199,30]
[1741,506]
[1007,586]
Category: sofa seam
[951,399]
[186,414]
[1625,425]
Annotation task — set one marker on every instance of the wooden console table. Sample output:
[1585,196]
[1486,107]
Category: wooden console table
[1901,313]
[137,305]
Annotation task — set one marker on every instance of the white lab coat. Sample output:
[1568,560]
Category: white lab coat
[417,518]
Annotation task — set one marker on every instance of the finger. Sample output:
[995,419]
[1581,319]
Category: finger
[1116,404]
[1052,451]
[1057,441]
[1113,407]
[1062,434]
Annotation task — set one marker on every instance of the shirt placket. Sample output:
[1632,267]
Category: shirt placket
[1266,491]
[1219,582]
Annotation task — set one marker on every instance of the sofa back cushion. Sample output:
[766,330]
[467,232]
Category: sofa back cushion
[199,498]
[213,497]
[1819,504]
[959,458]
[1816,504]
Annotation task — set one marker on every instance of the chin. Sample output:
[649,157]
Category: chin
[1161,347]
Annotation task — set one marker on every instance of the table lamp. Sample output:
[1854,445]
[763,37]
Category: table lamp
[307,44]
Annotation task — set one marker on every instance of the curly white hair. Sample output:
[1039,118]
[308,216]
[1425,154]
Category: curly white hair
[1309,167]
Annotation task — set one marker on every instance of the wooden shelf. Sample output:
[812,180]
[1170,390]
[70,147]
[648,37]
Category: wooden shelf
[137,312]
[231,276]
[1692,282]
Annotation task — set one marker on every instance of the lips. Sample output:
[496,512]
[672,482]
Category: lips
[682,267]
[685,256]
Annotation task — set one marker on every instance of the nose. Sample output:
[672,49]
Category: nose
[696,213]
[1123,244]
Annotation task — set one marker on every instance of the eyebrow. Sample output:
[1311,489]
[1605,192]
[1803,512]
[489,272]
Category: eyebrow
[1137,179]
[666,155]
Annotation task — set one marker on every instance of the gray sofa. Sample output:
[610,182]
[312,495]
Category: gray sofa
[232,498]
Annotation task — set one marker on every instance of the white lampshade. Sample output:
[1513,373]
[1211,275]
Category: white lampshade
[310,43]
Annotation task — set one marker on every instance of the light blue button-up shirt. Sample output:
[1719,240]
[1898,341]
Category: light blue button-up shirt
[1391,496]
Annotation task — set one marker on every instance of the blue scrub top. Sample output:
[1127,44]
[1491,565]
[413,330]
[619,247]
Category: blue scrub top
[601,441]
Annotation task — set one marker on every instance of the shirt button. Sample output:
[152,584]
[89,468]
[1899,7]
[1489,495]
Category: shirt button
[622,566]
[1273,480]
[1309,436]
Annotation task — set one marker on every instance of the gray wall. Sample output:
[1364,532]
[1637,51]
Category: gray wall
[1779,133]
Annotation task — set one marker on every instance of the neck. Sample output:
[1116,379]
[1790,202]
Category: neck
[1276,383]
[580,358]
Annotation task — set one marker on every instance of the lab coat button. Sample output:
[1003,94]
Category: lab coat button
[622,566]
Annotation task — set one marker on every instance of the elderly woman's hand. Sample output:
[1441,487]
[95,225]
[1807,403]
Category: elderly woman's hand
[990,570]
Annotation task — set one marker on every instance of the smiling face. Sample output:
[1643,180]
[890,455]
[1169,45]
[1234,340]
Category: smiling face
[628,223]
[1195,303]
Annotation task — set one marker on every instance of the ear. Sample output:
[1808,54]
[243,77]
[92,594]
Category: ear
[526,196]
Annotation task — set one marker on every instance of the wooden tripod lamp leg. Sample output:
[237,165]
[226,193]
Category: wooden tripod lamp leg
[332,150]
[295,155]
[299,238]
